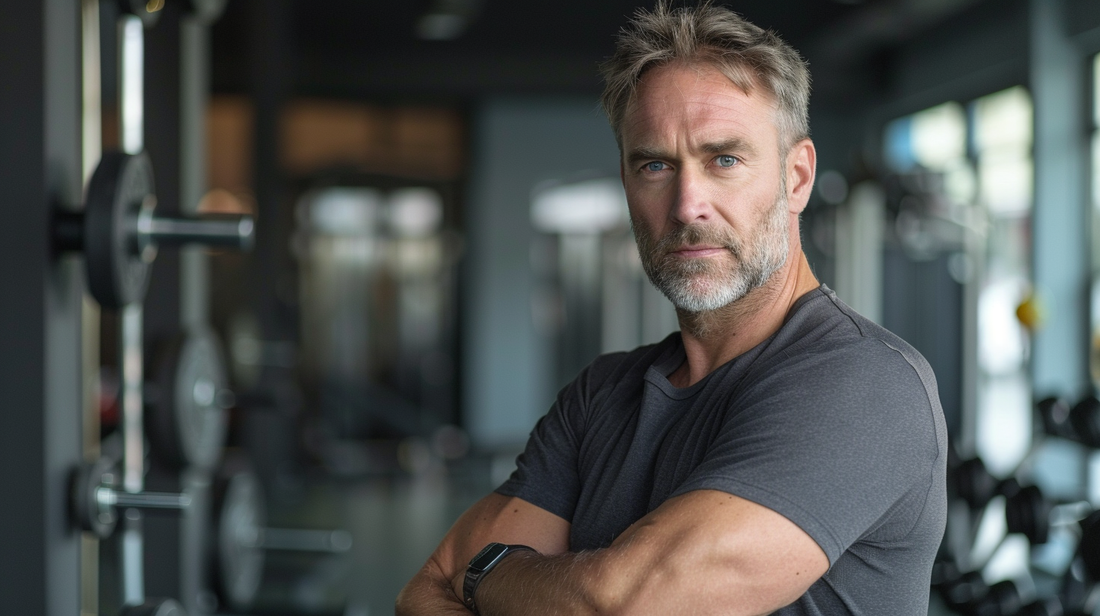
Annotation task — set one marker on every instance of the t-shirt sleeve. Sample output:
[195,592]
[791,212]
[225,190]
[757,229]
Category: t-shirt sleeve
[546,472]
[835,455]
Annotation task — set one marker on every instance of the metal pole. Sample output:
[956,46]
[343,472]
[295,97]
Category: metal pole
[132,114]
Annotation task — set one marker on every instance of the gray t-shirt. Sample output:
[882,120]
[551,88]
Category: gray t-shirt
[833,422]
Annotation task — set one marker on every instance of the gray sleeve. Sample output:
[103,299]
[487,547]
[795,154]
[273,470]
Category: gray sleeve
[834,454]
[546,472]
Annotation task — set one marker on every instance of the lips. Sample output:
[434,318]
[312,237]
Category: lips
[697,251]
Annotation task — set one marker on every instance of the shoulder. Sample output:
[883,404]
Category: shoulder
[851,371]
[823,333]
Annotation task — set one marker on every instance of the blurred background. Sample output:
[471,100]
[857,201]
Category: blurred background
[442,242]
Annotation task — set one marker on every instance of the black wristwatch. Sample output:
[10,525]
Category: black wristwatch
[480,566]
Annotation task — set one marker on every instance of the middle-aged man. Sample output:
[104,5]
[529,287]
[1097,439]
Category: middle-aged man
[779,454]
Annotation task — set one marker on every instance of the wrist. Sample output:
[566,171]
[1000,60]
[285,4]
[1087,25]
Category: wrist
[480,568]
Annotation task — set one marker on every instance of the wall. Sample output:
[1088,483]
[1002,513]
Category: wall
[517,143]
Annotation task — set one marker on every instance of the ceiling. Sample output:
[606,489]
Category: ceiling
[371,48]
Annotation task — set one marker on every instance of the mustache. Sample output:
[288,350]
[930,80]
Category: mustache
[693,235]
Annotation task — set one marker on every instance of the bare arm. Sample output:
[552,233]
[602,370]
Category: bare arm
[493,518]
[706,552]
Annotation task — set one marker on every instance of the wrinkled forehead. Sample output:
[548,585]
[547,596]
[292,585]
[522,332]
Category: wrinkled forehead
[737,75]
[682,84]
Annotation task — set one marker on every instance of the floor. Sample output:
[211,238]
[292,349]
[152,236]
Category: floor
[396,520]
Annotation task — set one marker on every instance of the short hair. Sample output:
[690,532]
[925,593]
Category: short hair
[746,54]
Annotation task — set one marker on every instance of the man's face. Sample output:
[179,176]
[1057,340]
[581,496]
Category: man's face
[705,185]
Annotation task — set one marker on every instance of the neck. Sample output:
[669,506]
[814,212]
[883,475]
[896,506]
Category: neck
[714,337]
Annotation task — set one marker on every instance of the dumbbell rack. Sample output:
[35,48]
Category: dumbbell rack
[1028,512]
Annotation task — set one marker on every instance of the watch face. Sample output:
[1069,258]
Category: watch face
[488,556]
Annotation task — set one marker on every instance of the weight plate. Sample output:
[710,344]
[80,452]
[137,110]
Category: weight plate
[154,607]
[86,481]
[1089,545]
[239,559]
[1028,512]
[120,187]
[186,416]
[1085,418]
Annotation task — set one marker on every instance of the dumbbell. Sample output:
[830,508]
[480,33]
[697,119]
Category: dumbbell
[1054,413]
[119,234]
[1084,418]
[1080,422]
[95,498]
[1030,513]
[959,590]
[1089,546]
[975,485]
[241,538]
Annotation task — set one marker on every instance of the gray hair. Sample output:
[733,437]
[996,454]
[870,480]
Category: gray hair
[706,34]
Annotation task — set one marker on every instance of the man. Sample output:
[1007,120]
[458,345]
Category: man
[779,454]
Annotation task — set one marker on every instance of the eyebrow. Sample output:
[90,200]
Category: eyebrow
[736,145]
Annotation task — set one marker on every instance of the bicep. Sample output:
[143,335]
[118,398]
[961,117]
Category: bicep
[720,553]
[502,519]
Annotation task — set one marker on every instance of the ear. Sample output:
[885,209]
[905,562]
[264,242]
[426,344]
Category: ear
[801,170]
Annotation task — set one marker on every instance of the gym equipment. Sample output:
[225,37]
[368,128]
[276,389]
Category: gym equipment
[119,235]
[960,591]
[975,485]
[1089,547]
[1001,599]
[1079,423]
[96,499]
[1050,606]
[1085,419]
[238,558]
[241,537]
[154,607]
[185,412]
[1054,413]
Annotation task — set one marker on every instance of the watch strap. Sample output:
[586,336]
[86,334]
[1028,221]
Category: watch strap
[480,566]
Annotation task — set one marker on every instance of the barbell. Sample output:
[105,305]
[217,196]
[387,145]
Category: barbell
[119,234]
[240,535]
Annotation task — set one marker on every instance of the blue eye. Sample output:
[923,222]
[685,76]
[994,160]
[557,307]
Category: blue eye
[726,160]
[655,166]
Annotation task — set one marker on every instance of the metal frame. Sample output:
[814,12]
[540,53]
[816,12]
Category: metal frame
[40,365]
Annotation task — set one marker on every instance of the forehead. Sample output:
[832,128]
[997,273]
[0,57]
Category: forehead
[700,101]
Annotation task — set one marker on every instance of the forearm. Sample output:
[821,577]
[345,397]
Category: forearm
[528,584]
[429,594]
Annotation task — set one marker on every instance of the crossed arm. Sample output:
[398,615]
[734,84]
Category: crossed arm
[705,552]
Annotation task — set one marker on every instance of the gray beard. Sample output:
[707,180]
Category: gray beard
[702,285]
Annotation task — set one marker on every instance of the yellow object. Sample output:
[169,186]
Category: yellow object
[1030,312]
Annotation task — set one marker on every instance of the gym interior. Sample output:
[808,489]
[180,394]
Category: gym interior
[290,282]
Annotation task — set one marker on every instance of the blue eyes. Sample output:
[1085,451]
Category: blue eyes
[725,161]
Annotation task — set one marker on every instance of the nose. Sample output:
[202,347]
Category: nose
[692,204]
